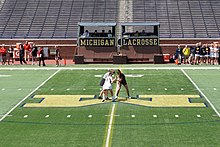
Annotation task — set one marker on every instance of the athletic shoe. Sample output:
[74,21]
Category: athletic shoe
[108,98]
[99,97]
[103,100]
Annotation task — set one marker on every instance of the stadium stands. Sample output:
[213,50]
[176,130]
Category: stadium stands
[181,18]
[59,18]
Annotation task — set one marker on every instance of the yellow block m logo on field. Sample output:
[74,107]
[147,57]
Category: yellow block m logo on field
[167,101]
[143,100]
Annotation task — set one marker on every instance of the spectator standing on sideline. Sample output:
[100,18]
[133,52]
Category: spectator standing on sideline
[27,49]
[211,54]
[41,56]
[192,55]
[202,54]
[21,54]
[10,55]
[34,54]
[3,52]
[216,54]
[207,54]
[197,53]
[57,56]
[186,53]
[178,55]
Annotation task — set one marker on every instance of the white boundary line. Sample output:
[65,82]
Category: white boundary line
[28,95]
[113,67]
[213,107]
[110,126]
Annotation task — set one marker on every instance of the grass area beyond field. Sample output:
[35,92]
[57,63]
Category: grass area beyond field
[130,124]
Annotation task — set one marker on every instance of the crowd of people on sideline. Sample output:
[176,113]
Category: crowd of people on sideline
[107,82]
[198,54]
[26,52]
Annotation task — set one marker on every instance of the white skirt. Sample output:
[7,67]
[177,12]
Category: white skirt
[107,86]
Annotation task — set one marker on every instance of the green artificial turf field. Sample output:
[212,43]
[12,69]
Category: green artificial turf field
[134,122]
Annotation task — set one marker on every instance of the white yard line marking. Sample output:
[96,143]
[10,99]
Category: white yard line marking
[28,95]
[110,126]
[213,107]
[110,115]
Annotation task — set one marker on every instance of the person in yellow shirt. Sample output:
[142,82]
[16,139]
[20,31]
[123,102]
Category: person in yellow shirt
[186,53]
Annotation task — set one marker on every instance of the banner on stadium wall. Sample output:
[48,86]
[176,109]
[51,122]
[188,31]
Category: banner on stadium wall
[140,42]
[107,42]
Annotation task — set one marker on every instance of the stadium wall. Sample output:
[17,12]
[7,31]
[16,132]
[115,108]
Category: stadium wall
[68,46]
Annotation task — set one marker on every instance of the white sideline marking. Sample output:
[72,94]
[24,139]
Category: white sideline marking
[176,116]
[105,68]
[4,115]
[110,126]
[155,116]
[198,115]
[213,107]
[25,116]
[68,116]
[29,95]
[47,116]
[90,116]
[132,116]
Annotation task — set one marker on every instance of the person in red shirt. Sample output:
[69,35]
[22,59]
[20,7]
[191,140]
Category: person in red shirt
[27,46]
[3,52]
[27,49]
